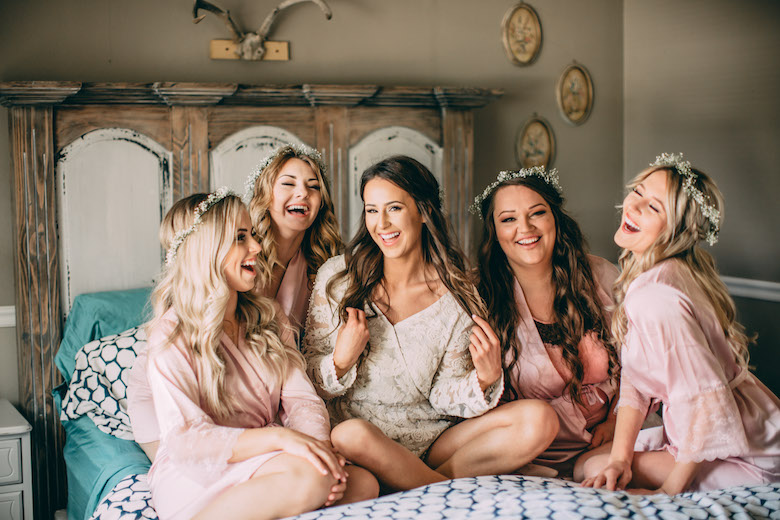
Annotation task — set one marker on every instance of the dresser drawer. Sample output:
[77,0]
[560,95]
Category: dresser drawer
[11,505]
[10,462]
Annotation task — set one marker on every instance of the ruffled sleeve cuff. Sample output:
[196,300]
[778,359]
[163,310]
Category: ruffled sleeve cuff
[494,392]
[331,383]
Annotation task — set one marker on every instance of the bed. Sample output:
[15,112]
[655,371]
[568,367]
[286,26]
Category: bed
[107,470]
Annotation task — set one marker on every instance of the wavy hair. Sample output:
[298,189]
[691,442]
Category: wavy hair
[196,288]
[576,306]
[321,241]
[686,227]
[365,268]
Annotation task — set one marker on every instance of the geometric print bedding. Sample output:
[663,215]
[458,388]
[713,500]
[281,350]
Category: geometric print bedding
[502,497]
[98,387]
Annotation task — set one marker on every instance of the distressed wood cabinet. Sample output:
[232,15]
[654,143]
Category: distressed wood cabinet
[96,166]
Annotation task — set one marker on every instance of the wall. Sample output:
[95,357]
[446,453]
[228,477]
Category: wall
[701,77]
[403,42]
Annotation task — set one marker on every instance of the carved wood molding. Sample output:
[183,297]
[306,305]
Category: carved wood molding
[172,93]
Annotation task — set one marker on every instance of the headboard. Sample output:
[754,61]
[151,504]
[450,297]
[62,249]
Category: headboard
[95,166]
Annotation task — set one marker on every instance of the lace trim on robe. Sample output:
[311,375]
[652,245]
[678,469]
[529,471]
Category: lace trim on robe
[202,444]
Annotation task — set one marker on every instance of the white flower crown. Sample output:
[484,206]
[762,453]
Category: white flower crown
[202,208]
[550,177]
[689,178]
[301,150]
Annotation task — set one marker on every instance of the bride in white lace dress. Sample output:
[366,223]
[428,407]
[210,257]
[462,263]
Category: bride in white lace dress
[395,346]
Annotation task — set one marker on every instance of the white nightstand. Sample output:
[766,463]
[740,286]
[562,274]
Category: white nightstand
[15,470]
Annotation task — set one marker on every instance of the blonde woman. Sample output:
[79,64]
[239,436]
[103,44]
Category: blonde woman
[682,347]
[292,212]
[225,375]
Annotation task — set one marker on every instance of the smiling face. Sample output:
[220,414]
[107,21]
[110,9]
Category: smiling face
[296,197]
[392,219]
[525,227]
[644,214]
[239,263]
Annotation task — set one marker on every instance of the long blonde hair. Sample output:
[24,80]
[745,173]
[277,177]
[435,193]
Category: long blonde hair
[686,227]
[321,241]
[195,287]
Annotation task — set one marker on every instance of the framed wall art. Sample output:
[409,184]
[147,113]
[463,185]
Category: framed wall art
[575,94]
[521,33]
[535,143]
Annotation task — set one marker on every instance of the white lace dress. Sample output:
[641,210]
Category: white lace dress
[414,379]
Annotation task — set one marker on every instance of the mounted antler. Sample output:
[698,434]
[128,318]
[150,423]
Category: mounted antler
[251,46]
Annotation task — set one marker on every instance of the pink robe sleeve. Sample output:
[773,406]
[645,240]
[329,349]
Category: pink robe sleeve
[301,408]
[188,434]
[700,415]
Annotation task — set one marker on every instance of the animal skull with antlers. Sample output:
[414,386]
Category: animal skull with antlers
[251,45]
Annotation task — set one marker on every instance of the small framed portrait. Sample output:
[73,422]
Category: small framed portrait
[575,94]
[521,33]
[535,143]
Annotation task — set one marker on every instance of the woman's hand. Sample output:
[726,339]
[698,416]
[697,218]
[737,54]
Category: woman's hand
[603,432]
[616,475]
[485,352]
[319,453]
[351,341]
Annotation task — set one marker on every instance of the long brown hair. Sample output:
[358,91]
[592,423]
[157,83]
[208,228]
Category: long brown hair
[365,268]
[321,241]
[686,227]
[576,306]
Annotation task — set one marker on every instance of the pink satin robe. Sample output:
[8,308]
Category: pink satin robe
[293,299]
[714,412]
[191,467]
[540,373]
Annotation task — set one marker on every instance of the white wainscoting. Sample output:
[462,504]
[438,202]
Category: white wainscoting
[7,316]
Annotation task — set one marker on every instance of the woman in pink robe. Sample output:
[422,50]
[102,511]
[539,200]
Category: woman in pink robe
[682,347]
[292,213]
[547,301]
[238,417]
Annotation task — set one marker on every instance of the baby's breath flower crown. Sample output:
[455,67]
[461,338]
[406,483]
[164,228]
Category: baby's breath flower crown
[301,150]
[709,211]
[550,177]
[202,208]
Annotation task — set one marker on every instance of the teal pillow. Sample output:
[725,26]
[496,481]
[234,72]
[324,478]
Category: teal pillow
[95,315]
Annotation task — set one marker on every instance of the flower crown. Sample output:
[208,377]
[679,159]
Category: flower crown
[550,177]
[689,178]
[301,150]
[202,208]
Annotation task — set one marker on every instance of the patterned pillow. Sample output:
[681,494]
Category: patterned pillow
[129,500]
[99,384]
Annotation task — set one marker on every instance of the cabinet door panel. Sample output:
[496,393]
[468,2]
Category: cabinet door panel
[10,462]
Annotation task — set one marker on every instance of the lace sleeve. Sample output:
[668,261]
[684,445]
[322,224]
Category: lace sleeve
[188,434]
[322,326]
[301,409]
[455,390]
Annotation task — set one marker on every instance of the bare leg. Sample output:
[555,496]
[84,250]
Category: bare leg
[649,468]
[361,485]
[500,441]
[284,486]
[365,445]
[591,462]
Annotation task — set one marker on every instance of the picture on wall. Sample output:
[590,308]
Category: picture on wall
[521,34]
[535,143]
[575,94]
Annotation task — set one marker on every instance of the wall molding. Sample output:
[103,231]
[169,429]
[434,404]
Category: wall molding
[755,289]
[7,316]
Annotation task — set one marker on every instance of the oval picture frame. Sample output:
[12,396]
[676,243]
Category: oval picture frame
[521,34]
[574,92]
[535,143]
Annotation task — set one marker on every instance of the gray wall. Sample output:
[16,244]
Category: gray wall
[701,77]
[403,42]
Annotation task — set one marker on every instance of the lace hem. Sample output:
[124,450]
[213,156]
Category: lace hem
[631,397]
[707,426]
[201,445]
